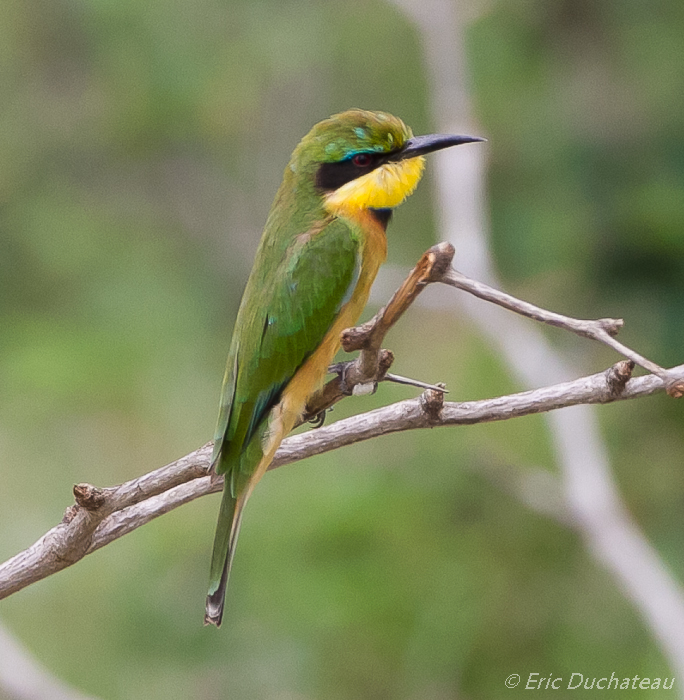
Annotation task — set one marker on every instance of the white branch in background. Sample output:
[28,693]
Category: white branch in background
[589,489]
[22,676]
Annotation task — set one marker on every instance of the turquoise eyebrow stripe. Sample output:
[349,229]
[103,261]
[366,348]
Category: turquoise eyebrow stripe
[348,155]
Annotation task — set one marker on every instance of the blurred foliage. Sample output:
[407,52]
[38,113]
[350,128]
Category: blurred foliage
[141,145]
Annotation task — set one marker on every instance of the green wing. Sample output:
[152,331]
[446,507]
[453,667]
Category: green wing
[291,300]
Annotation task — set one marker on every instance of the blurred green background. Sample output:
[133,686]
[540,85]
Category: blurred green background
[141,144]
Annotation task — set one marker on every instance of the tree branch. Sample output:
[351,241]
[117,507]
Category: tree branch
[373,363]
[103,515]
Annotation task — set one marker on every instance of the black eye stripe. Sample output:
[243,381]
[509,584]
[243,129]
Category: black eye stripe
[331,176]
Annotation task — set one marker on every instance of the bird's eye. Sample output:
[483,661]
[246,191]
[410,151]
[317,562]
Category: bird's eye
[361,160]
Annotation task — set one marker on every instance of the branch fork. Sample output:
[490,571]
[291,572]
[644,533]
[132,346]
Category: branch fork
[373,362]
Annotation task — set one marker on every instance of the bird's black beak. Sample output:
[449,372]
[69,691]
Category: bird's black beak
[420,145]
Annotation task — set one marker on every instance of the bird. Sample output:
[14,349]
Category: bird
[321,248]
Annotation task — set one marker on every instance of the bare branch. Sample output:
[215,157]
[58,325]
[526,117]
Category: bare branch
[430,268]
[102,515]
[603,330]
[122,509]
[71,540]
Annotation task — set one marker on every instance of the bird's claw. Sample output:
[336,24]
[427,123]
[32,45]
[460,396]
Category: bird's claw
[318,420]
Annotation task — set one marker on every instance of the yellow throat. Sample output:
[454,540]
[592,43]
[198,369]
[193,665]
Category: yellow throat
[385,187]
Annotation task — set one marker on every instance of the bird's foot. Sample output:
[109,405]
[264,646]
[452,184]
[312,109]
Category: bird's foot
[318,420]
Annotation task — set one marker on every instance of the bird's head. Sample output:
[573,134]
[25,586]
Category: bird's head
[360,160]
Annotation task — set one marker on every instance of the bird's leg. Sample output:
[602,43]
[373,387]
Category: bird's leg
[350,379]
[341,369]
[350,388]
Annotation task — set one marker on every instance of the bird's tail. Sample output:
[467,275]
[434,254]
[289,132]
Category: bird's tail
[227,530]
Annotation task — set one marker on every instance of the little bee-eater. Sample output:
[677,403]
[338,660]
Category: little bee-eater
[321,248]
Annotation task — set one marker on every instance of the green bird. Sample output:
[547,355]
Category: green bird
[320,251]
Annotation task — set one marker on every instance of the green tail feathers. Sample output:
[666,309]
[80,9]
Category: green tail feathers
[230,516]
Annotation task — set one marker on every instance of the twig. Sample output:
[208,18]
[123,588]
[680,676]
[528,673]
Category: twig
[603,330]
